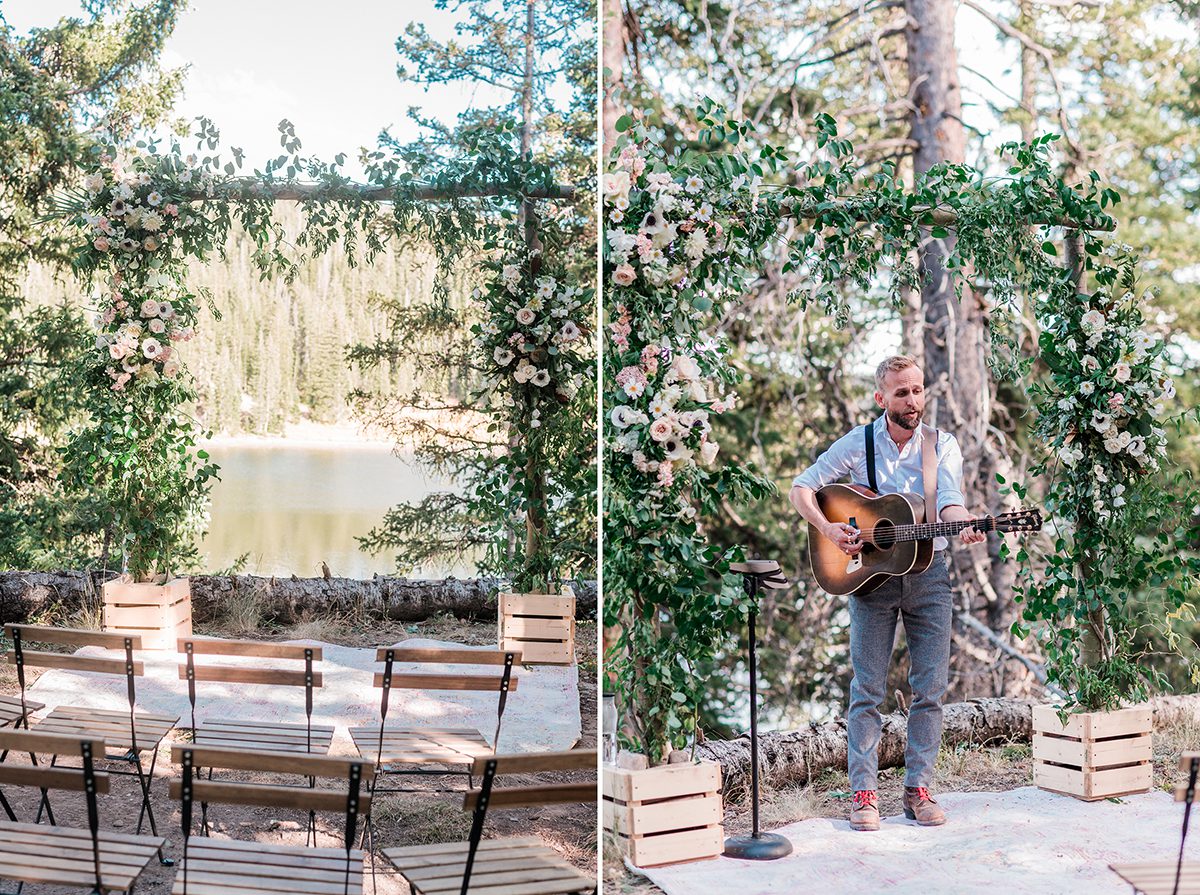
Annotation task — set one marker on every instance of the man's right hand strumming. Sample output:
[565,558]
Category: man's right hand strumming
[846,537]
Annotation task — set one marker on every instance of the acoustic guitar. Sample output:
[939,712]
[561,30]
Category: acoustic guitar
[894,543]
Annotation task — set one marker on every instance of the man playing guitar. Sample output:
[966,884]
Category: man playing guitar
[923,599]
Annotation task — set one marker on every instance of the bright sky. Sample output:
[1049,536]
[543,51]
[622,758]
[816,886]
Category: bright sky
[329,68]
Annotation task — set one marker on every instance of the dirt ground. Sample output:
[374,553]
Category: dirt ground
[400,819]
[991,768]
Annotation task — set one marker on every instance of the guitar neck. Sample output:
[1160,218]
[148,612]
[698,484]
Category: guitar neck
[927,531]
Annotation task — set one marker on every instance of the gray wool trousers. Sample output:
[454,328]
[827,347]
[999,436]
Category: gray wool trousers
[925,604]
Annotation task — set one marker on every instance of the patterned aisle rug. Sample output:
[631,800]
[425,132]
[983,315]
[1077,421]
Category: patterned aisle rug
[542,713]
[1023,842]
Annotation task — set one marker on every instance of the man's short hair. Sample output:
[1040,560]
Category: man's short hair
[893,364]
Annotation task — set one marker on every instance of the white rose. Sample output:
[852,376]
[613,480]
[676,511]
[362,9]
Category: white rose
[1122,372]
[708,451]
[616,183]
[661,429]
[525,316]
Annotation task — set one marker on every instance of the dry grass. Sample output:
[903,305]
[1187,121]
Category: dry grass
[324,630]
[419,819]
[242,615]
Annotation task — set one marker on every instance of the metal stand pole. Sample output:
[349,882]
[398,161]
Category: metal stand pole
[757,846]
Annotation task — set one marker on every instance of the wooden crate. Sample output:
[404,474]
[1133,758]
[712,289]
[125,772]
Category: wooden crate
[665,815]
[1095,755]
[160,613]
[541,626]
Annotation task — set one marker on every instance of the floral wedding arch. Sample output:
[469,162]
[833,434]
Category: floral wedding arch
[145,212]
[682,233]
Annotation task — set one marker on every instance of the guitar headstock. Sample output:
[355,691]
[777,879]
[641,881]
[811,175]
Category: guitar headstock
[1024,519]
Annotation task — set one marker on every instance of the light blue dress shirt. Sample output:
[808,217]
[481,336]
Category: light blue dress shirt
[896,469]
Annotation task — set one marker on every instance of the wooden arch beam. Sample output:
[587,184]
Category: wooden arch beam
[296,192]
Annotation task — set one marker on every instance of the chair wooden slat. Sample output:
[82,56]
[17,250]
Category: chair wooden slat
[535,762]
[218,867]
[299,797]
[70,662]
[525,796]
[50,778]
[215,646]
[233,674]
[41,854]
[38,740]
[113,726]
[272,762]
[520,866]
[418,746]
[72,636]
[261,737]
[10,709]
[1185,760]
[1158,877]
[446,682]
[433,655]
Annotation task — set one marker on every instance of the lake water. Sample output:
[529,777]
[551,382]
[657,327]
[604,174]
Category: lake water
[292,507]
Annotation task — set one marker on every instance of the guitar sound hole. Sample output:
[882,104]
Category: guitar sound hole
[885,535]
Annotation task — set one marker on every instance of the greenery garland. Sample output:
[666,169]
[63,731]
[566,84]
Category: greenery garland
[686,233]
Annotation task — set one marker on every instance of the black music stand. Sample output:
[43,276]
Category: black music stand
[757,575]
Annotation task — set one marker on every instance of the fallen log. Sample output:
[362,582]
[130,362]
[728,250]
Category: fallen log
[794,757]
[56,596]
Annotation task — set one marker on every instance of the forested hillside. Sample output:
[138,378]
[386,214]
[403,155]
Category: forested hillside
[278,353]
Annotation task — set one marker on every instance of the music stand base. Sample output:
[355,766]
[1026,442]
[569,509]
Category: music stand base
[763,847]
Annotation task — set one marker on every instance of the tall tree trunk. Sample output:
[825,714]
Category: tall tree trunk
[1028,79]
[613,55]
[956,339]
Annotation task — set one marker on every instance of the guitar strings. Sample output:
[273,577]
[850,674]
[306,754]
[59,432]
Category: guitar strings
[891,534]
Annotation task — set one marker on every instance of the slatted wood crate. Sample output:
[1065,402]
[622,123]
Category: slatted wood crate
[1095,755]
[160,613]
[665,815]
[540,626]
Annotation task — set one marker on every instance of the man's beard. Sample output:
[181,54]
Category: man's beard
[904,422]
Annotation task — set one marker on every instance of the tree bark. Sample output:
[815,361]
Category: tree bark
[795,757]
[613,68]
[26,595]
[956,340]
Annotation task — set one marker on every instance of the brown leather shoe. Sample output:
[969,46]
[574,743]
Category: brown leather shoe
[920,806]
[864,815]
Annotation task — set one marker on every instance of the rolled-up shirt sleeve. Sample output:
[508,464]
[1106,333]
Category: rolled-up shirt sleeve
[835,463]
[949,477]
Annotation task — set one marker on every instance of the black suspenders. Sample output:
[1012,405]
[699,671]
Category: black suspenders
[869,435]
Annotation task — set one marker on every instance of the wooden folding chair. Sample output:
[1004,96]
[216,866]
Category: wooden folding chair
[262,736]
[452,751]
[133,733]
[15,711]
[37,853]
[1170,877]
[212,866]
[512,866]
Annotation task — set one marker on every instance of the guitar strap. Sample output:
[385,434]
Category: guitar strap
[929,440]
[869,434]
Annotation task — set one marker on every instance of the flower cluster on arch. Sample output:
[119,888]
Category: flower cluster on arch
[531,341]
[138,223]
[1108,393]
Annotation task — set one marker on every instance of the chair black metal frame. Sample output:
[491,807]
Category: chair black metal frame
[188,783]
[506,682]
[308,678]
